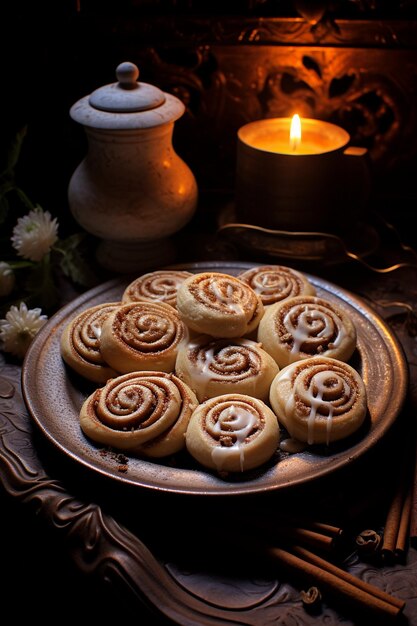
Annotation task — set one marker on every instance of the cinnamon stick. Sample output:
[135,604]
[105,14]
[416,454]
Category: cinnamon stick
[413,520]
[309,537]
[397,522]
[350,578]
[392,523]
[328,529]
[404,525]
[312,524]
[315,534]
[338,582]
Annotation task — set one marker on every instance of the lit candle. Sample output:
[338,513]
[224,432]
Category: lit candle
[295,132]
[294,136]
[298,174]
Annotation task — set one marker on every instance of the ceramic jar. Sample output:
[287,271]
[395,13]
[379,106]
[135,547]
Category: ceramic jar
[131,190]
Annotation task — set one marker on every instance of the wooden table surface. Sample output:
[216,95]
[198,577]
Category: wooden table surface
[88,549]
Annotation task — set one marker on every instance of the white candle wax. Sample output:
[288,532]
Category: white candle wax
[273,135]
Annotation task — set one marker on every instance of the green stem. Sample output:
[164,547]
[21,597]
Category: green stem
[24,198]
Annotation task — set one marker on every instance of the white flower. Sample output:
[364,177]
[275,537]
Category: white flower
[6,279]
[34,234]
[19,328]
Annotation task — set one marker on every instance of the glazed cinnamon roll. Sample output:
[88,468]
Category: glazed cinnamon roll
[213,367]
[142,336]
[161,285]
[219,305]
[232,433]
[306,326]
[80,343]
[274,283]
[146,413]
[319,400]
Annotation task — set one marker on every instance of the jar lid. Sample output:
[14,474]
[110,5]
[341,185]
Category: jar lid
[127,104]
[127,95]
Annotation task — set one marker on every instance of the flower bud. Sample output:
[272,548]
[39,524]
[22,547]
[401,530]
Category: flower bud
[7,279]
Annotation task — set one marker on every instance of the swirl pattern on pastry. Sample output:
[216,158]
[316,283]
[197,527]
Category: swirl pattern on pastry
[213,367]
[80,343]
[274,283]
[161,285]
[319,400]
[306,326]
[142,336]
[219,305]
[232,433]
[146,413]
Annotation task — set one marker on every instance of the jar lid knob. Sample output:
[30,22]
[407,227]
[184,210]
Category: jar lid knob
[127,95]
[127,74]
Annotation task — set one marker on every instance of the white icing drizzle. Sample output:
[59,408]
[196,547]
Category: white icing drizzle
[160,287]
[87,333]
[166,287]
[274,284]
[201,371]
[292,445]
[264,279]
[227,299]
[308,322]
[205,357]
[269,282]
[239,422]
[96,329]
[316,401]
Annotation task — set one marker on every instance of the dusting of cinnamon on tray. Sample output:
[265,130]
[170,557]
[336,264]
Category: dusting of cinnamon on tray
[118,457]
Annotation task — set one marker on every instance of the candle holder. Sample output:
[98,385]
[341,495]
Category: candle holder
[131,190]
[321,184]
[299,248]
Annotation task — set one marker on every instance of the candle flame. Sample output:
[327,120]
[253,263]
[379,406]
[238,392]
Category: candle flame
[295,132]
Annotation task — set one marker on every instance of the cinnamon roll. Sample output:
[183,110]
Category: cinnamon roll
[213,367]
[232,433]
[146,413]
[219,305]
[306,326]
[80,343]
[161,285]
[274,283]
[319,400]
[142,336]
